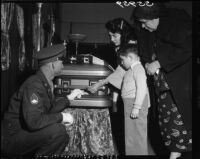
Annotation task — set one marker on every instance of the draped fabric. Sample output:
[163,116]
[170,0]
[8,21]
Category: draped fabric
[20,24]
[91,133]
[38,33]
[48,24]
[38,29]
[35,33]
[52,31]
[6,18]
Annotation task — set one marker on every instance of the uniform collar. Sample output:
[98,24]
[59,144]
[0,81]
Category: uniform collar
[45,83]
[135,63]
[42,77]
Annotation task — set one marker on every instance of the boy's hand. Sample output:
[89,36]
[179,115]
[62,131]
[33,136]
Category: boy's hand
[135,113]
[94,88]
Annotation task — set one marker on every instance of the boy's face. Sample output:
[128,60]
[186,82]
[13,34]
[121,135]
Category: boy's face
[126,61]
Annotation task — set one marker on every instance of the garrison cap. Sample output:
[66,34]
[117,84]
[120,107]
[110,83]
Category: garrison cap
[49,54]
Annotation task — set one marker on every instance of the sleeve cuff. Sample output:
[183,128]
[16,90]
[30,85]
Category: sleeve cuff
[137,106]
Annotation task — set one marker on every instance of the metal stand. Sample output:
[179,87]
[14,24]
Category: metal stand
[77,38]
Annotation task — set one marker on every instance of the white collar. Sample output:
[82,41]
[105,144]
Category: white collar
[135,63]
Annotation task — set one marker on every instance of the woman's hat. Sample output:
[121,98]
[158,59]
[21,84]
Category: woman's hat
[148,12]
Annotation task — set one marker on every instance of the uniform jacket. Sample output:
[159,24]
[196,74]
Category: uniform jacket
[33,106]
[174,53]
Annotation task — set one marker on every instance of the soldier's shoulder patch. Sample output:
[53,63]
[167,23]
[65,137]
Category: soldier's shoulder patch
[34,99]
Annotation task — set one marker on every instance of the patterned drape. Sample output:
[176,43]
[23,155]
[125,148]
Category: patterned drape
[6,18]
[91,133]
[20,24]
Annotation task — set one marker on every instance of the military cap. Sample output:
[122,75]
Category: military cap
[49,54]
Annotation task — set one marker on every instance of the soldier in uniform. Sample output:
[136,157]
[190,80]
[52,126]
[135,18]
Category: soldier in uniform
[34,121]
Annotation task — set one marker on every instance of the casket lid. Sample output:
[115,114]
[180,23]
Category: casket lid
[86,70]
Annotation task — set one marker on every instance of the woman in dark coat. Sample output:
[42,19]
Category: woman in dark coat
[168,58]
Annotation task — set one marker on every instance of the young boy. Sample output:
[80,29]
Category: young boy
[135,96]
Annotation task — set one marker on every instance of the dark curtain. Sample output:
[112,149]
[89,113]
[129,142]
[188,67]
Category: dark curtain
[13,77]
[17,29]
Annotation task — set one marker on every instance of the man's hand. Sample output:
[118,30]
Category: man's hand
[135,113]
[151,68]
[67,118]
[76,93]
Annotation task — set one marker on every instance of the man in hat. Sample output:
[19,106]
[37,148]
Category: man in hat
[167,53]
[34,121]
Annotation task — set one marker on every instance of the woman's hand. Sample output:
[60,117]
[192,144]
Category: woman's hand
[152,67]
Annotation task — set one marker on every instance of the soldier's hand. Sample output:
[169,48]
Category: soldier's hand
[67,118]
[75,93]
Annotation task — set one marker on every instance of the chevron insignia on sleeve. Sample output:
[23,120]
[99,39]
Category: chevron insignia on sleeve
[34,99]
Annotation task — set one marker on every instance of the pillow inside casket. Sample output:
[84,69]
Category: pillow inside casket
[81,76]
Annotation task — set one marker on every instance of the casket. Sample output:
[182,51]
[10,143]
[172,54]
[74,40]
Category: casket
[81,76]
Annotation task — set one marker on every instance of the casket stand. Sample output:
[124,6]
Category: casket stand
[91,133]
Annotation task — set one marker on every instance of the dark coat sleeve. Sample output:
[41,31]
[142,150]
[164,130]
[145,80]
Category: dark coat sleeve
[174,41]
[34,107]
[174,55]
[145,43]
[60,105]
